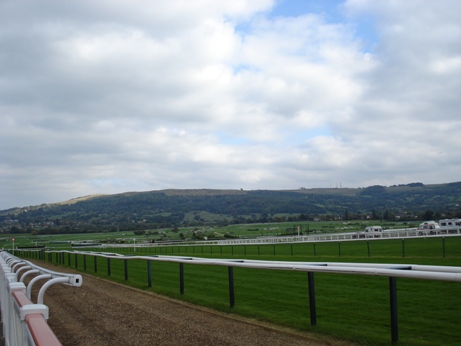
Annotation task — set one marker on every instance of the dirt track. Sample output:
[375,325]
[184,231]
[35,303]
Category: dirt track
[104,313]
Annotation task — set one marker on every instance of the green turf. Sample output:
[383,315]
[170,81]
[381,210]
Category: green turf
[351,307]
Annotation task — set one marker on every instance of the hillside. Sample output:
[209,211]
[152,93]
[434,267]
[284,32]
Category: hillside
[168,208]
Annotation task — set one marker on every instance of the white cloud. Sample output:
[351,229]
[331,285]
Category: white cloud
[111,96]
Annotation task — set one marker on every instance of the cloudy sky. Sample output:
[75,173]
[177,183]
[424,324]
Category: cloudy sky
[112,96]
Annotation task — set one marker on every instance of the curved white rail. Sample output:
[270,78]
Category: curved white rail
[24,323]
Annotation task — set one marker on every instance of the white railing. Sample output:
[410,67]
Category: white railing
[392,271]
[315,237]
[25,322]
[413,271]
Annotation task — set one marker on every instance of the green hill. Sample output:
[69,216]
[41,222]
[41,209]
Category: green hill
[167,208]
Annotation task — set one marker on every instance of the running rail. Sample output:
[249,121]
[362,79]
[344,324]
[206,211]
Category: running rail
[314,237]
[392,271]
[25,323]
[412,271]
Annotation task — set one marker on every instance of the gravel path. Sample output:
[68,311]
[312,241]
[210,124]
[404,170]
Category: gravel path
[105,313]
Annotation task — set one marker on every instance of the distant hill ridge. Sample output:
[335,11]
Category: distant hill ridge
[412,188]
[198,206]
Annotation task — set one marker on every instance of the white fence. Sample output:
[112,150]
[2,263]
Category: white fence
[392,271]
[315,237]
[25,322]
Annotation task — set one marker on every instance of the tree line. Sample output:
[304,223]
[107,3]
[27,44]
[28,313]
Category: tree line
[157,210]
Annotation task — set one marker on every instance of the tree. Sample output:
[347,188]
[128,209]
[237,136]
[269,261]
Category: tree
[388,215]
[374,216]
[428,215]
[15,229]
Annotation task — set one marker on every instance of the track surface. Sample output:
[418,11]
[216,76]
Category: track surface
[105,313]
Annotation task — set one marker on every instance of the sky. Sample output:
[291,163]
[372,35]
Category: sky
[111,96]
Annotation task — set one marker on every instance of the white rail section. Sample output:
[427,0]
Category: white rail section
[314,237]
[392,271]
[25,323]
[413,271]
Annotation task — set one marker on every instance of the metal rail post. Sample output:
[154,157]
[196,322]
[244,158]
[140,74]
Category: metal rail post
[312,307]
[149,273]
[181,277]
[230,271]
[394,317]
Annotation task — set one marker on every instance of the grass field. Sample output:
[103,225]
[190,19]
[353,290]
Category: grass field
[351,307]
[237,231]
